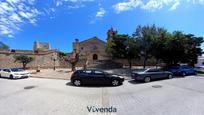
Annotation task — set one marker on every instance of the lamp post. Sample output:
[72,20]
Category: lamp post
[53,59]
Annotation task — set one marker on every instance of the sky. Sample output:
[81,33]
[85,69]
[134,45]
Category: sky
[60,22]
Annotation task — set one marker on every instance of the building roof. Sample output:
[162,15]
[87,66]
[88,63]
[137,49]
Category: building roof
[93,38]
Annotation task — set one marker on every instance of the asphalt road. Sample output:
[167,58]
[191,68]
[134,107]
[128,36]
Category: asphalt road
[36,96]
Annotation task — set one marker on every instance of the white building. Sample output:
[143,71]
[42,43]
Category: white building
[200,61]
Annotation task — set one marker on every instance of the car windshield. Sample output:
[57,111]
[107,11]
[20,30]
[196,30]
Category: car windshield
[16,70]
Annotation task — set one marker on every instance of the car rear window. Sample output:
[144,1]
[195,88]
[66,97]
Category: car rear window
[98,72]
[87,71]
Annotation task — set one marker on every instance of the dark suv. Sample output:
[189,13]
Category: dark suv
[81,77]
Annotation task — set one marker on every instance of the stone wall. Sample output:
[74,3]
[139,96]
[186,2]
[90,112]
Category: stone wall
[43,60]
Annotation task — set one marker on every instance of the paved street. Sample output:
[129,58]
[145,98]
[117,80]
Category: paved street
[36,96]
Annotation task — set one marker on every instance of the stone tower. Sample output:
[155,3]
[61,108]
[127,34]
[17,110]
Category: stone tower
[111,33]
[75,48]
[41,46]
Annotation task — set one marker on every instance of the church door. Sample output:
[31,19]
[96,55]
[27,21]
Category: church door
[95,57]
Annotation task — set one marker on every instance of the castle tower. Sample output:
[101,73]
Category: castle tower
[41,46]
[75,48]
[111,33]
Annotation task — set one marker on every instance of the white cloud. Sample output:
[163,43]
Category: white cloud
[15,13]
[174,7]
[124,6]
[100,13]
[62,2]
[152,5]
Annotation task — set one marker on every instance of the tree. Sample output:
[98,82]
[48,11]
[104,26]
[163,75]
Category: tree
[72,60]
[193,49]
[124,47]
[171,48]
[145,36]
[24,59]
[3,46]
[158,44]
[177,47]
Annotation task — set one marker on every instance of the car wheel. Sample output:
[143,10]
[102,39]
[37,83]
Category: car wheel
[170,76]
[147,79]
[77,82]
[11,77]
[115,82]
[0,75]
[183,74]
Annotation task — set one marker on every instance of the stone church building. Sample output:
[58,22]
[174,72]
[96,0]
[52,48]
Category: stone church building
[92,52]
[94,48]
[91,49]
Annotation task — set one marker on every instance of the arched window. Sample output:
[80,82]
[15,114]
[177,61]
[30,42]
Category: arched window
[95,57]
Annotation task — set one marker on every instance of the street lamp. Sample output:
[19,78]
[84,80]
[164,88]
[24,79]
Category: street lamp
[54,59]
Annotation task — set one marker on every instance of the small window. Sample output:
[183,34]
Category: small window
[82,48]
[154,70]
[6,70]
[88,72]
[99,72]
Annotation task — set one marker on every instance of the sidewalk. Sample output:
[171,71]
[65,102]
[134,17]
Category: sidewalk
[65,74]
[51,74]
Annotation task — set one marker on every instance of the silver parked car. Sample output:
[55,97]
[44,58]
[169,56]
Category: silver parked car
[148,75]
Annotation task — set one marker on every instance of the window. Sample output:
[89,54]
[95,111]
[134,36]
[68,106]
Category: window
[82,48]
[98,72]
[153,70]
[17,70]
[6,70]
[87,72]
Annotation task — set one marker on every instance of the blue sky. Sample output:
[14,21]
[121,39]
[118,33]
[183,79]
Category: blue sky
[60,22]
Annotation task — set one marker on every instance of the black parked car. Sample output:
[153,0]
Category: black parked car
[82,77]
[147,75]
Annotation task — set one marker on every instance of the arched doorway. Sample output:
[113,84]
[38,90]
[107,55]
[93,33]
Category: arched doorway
[95,57]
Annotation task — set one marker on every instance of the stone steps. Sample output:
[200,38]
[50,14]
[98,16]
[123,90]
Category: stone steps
[104,64]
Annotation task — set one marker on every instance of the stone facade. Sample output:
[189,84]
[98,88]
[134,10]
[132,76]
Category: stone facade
[94,48]
[43,58]
[91,49]
[42,46]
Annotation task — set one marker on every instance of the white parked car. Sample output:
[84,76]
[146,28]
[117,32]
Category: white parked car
[14,73]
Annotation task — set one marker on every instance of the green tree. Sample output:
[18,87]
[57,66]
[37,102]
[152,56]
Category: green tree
[3,46]
[158,44]
[177,48]
[145,35]
[24,59]
[124,47]
[193,49]
[72,60]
